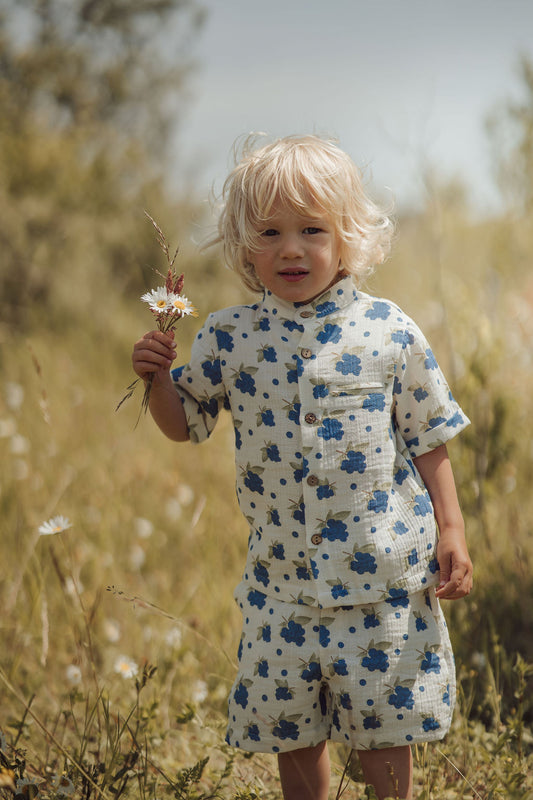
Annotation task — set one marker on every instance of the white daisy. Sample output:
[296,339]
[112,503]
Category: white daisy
[199,691]
[182,304]
[73,674]
[126,667]
[55,525]
[158,299]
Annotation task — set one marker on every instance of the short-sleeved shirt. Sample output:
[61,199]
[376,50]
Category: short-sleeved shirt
[331,401]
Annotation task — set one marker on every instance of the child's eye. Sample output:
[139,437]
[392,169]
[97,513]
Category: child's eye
[312,229]
[269,232]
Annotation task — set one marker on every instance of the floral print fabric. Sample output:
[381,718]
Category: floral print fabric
[371,677]
[330,401]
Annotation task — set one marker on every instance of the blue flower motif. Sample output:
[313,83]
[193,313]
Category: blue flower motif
[340,667]
[339,590]
[430,663]
[299,513]
[245,383]
[420,394]
[398,598]
[270,355]
[376,660]
[402,337]
[256,598]
[278,550]
[371,620]
[320,390]
[378,501]
[261,574]
[210,407]
[402,697]
[454,421]
[412,558]
[421,624]
[374,402]
[330,429]
[254,482]
[325,491]
[379,310]
[330,333]
[253,733]
[302,573]
[262,668]
[400,528]
[283,693]
[326,308]
[346,701]
[224,340]
[324,635]
[211,370]
[272,452]
[264,324]
[294,413]
[286,730]
[267,417]
[294,373]
[335,529]
[275,520]
[446,699]
[312,672]
[363,562]
[371,722]
[430,361]
[350,364]
[265,631]
[292,325]
[430,724]
[355,461]
[241,695]
[293,633]
[434,422]
[422,505]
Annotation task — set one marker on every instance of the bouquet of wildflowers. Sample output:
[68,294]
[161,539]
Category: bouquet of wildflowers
[167,303]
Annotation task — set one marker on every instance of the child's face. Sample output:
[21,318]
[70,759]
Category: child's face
[298,257]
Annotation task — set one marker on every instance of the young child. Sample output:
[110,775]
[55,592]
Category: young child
[341,418]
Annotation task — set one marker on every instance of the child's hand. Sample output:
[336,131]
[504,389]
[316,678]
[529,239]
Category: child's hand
[455,567]
[154,354]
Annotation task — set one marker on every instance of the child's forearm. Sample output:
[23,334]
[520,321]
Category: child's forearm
[167,409]
[452,551]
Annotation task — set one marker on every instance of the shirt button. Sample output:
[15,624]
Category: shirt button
[316,538]
[313,480]
[306,352]
[306,314]
[310,417]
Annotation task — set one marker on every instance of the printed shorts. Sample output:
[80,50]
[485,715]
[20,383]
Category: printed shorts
[373,676]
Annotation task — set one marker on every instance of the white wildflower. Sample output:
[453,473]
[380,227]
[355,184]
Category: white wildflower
[173,509]
[185,494]
[199,691]
[14,394]
[54,525]
[8,427]
[182,304]
[143,527]
[158,299]
[112,630]
[174,638]
[19,445]
[63,786]
[126,667]
[73,674]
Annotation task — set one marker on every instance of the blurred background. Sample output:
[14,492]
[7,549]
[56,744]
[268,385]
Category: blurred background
[110,108]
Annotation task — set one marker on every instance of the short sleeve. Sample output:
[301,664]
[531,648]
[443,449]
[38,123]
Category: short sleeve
[200,384]
[425,411]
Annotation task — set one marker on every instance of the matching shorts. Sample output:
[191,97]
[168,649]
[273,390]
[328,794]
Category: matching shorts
[373,676]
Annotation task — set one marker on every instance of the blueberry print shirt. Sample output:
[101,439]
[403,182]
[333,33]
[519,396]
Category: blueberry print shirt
[331,401]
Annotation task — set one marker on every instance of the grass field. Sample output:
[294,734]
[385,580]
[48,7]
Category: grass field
[119,634]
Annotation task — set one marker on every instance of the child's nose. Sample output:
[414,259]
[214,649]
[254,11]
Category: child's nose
[291,246]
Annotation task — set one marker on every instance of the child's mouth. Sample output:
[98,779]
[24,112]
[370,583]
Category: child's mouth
[293,274]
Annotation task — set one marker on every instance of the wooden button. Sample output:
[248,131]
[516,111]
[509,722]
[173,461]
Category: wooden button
[306,314]
[310,417]
[306,352]
[312,480]
[316,538]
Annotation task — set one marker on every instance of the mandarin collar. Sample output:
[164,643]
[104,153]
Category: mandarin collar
[333,299]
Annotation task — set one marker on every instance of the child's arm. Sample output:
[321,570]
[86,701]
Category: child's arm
[153,355]
[452,552]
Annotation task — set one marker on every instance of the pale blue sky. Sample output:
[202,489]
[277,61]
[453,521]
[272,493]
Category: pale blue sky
[396,81]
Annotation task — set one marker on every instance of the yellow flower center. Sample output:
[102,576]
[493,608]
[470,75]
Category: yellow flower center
[179,304]
[161,303]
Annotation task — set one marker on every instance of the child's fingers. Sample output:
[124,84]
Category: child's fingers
[456,585]
[154,351]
